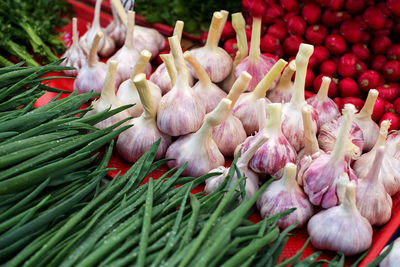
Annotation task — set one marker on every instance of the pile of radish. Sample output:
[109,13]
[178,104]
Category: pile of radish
[356,44]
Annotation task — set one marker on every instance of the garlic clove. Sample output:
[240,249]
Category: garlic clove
[283,91]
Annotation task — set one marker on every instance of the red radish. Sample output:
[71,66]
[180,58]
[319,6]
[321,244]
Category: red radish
[393,52]
[278,30]
[351,31]
[394,6]
[354,6]
[308,94]
[387,92]
[380,44]
[311,13]
[328,68]
[332,91]
[360,20]
[228,31]
[316,34]
[366,38]
[296,25]
[357,102]
[313,62]
[321,53]
[347,65]
[335,44]
[248,32]
[383,7]
[396,105]
[291,45]
[231,47]
[389,24]
[361,67]
[379,109]
[338,102]
[270,43]
[394,120]
[374,18]
[368,80]
[361,51]
[257,8]
[389,107]
[378,62]
[273,12]
[336,4]
[391,70]
[290,5]
[332,19]
[288,16]
[348,87]
[381,80]
[309,79]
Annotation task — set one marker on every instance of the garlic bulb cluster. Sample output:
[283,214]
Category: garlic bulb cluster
[327,110]
[393,258]
[246,106]
[324,227]
[320,178]
[127,92]
[116,29]
[135,141]
[215,60]
[92,75]
[283,91]
[180,112]
[271,157]
[284,194]
[199,149]
[252,181]
[256,64]
[74,56]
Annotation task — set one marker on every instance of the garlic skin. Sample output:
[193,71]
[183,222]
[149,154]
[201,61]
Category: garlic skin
[393,258]
[256,64]
[393,144]
[271,157]
[373,202]
[230,133]
[326,109]
[324,227]
[284,194]
[283,91]
[116,29]
[108,100]
[92,75]
[245,108]
[179,111]
[135,141]
[215,60]
[389,173]
[199,149]
[74,56]
[363,119]
[319,180]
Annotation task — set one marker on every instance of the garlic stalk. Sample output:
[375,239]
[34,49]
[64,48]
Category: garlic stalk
[116,29]
[199,149]
[283,91]
[106,46]
[292,122]
[239,25]
[271,157]
[74,56]
[284,194]
[389,173]
[208,92]
[135,141]
[180,112]
[230,133]
[91,76]
[108,100]
[325,226]
[321,176]
[326,109]
[256,64]
[127,92]
[246,107]
[252,181]
[215,60]
[363,119]
[376,207]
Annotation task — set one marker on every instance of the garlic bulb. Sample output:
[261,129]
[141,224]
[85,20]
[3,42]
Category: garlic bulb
[180,112]
[292,122]
[393,144]
[256,64]
[199,149]
[246,107]
[128,54]
[116,29]
[230,133]
[107,45]
[149,39]
[284,194]
[283,91]
[239,25]
[389,173]
[321,176]
[325,227]
[127,92]
[91,76]
[215,60]
[108,100]
[135,141]
[271,157]
[209,93]
[376,206]
[74,56]
[393,258]
[326,109]
[363,119]
[252,181]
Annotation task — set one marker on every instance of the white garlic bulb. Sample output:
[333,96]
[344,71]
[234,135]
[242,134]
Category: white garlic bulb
[393,144]
[116,29]
[283,91]
[393,258]
[149,39]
